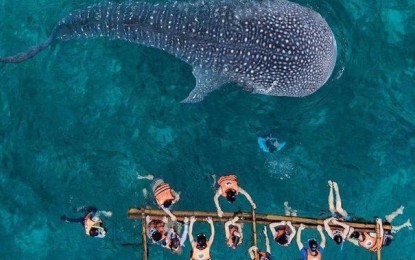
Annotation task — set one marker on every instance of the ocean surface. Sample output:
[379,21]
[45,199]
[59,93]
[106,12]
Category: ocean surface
[81,119]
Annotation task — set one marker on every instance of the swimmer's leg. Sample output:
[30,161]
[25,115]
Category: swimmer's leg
[331,199]
[395,229]
[289,211]
[72,220]
[214,179]
[148,176]
[389,218]
[339,208]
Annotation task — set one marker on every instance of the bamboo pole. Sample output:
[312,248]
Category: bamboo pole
[379,241]
[254,234]
[144,234]
[244,217]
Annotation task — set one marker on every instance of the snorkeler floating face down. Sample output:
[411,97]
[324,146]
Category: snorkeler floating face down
[275,48]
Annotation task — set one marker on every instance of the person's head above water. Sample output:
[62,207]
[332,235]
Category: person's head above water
[236,237]
[201,241]
[174,243]
[167,203]
[98,231]
[156,235]
[282,240]
[231,195]
[387,240]
[338,239]
[313,245]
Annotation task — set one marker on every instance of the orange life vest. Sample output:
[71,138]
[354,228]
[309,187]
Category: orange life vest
[370,242]
[262,255]
[312,257]
[89,223]
[228,182]
[200,254]
[231,232]
[163,193]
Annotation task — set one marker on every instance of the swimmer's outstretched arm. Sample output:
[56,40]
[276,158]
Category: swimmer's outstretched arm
[267,245]
[185,232]
[212,231]
[272,227]
[227,233]
[346,228]
[168,212]
[293,232]
[323,238]
[192,221]
[327,227]
[216,200]
[248,197]
[176,196]
[299,243]
[379,221]
[251,251]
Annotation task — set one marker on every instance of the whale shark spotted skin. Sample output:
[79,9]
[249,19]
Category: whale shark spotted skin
[275,47]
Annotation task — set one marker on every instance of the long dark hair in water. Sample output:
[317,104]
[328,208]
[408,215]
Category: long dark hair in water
[270,47]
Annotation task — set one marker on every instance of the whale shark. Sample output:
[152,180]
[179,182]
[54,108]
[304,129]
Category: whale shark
[269,47]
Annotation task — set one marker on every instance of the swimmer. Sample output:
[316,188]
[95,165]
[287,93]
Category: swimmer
[229,188]
[233,232]
[156,229]
[165,197]
[338,231]
[269,144]
[173,241]
[368,240]
[283,232]
[313,250]
[253,250]
[94,226]
[201,246]
[336,211]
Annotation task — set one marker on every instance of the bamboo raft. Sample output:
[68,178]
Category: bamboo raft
[245,217]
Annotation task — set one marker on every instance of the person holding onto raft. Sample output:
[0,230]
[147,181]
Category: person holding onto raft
[233,232]
[93,224]
[336,210]
[284,232]
[337,230]
[229,188]
[165,197]
[173,241]
[253,250]
[368,240]
[313,251]
[156,230]
[201,246]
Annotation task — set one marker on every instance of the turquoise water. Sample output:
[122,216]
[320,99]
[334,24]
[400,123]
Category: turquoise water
[82,118]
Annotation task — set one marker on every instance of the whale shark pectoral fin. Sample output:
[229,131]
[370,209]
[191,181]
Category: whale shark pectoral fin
[206,82]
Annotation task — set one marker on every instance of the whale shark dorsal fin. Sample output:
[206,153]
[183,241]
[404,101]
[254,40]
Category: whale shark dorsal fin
[206,82]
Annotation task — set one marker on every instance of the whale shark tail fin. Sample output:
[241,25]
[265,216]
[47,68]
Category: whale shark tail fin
[29,53]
